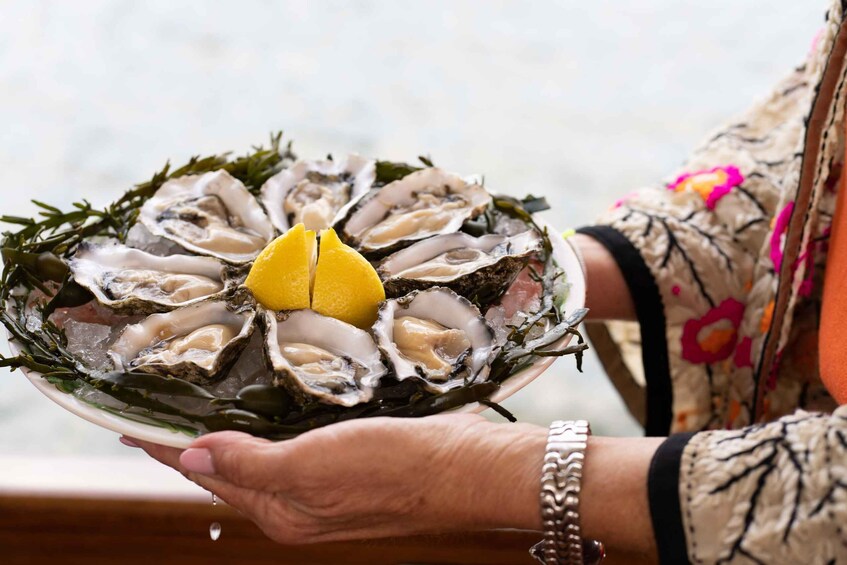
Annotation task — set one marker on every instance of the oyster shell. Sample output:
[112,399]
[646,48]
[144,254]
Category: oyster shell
[470,266]
[210,214]
[313,192]
[420,205]
[437,336]
[130,280]
[197,343]
[315,356]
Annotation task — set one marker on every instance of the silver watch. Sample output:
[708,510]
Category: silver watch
[561,479]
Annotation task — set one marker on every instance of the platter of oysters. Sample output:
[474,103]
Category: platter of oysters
[145,317]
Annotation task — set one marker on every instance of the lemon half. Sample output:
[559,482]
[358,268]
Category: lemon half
[336,281]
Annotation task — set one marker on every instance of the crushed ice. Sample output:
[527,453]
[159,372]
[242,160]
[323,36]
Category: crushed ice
[89,343]
[140,237]
[33,323]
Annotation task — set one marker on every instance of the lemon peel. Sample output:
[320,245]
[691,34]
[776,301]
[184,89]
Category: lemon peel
[281,276]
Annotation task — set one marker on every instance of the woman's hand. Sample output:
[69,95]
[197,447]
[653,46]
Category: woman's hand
[374,477]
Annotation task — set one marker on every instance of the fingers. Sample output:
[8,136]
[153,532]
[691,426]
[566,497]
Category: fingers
[167,455]
[244,500]
[237,458]
[234,457]
[272,513]
[240,498]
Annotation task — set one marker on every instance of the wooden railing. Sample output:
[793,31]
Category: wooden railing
[97,531]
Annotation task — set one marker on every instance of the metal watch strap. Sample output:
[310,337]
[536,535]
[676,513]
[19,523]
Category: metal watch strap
[561,479]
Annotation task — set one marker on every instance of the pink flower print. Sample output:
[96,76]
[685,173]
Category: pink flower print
[711,185]
[770,383]
[806,287]
[816,41]
[623,199]
[780,228]
[712,338]
[808,283]
[743,353]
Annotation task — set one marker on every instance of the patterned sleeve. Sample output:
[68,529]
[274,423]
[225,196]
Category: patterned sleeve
[771,493]
[689,252]
[701,253]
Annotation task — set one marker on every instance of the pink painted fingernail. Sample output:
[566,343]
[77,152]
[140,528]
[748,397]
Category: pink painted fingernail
[198,460]
[127,442]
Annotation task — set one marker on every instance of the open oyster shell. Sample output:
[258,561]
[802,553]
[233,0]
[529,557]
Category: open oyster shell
[420,205]
[313,192]
[315,356]
[198,343]
[470,266]
[437,336]
[130,280]
[210,214]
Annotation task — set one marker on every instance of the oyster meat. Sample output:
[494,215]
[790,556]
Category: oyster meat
[315,356]
[420,205]
[471,266]
[313,192]
[437,336]
[197,343]
[210,214]
[131,280]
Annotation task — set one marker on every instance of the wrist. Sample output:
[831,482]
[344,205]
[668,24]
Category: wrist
[509,471]
[613,505]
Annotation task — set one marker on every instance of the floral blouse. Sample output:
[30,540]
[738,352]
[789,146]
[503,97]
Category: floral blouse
[727,259]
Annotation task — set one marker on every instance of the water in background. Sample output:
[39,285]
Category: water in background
[578,101]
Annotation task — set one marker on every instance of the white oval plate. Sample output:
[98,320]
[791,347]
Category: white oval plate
[562,253]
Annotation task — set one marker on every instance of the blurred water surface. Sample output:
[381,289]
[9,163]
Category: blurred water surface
[578,101]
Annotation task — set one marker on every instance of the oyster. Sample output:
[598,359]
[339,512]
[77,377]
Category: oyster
[197,343]
[313,192]
[131,280]
[470,266]
[437,336]
[320,357]
[420,205]
[210,214]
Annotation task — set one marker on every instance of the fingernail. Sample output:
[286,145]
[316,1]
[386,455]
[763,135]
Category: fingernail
[127,442]
[198,461]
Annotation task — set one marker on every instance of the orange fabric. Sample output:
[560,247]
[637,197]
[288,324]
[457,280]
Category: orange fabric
[832,345]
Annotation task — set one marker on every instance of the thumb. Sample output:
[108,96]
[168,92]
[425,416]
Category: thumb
[237,458]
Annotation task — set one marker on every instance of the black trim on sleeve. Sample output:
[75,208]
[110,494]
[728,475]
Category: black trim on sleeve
[663,493]
[651,317]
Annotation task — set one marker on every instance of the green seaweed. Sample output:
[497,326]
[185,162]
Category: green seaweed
[34,262]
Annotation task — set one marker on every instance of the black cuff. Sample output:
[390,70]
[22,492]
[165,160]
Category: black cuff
[651,316]
[663,492]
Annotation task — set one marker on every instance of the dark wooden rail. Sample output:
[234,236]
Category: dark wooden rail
[92,531]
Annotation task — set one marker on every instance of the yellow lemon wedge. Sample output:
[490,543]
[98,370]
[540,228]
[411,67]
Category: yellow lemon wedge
[346,285]
[281,276]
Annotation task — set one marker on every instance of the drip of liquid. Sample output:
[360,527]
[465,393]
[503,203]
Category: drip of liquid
[215,528]
[215,531]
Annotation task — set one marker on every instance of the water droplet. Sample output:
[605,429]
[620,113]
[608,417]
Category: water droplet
[215,528]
